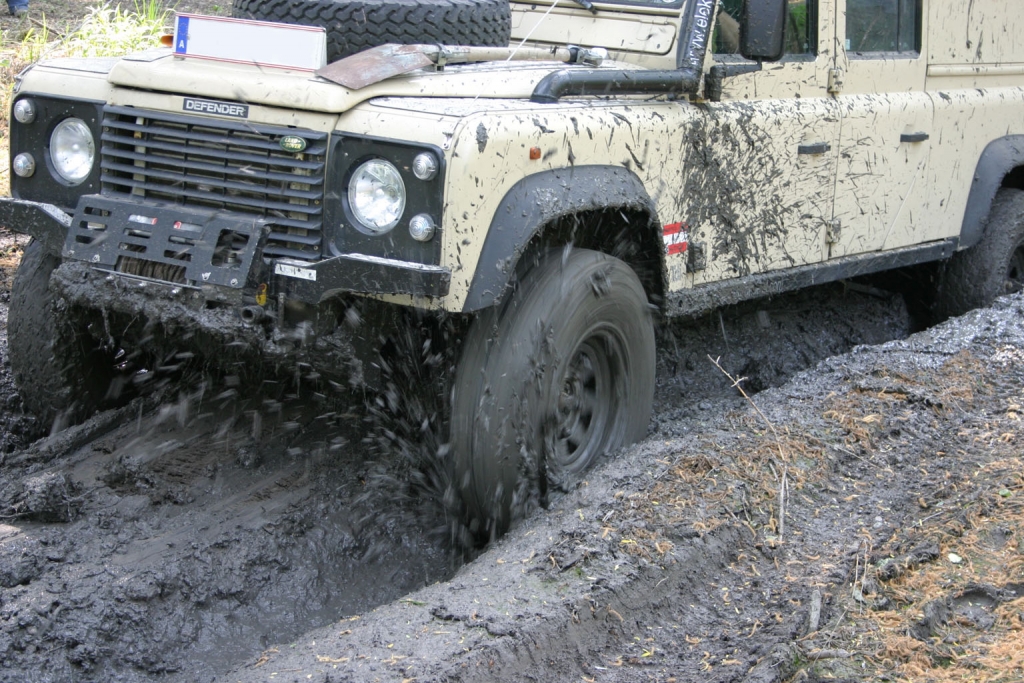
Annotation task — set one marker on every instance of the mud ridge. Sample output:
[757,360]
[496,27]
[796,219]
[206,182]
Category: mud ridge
[672,563]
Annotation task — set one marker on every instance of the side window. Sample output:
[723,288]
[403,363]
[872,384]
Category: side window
[801,27]
[883,25]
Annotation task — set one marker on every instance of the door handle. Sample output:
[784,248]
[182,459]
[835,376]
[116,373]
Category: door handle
[913,137]
[814,148]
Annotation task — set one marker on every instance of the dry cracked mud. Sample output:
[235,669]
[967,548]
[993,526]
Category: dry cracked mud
[213,532]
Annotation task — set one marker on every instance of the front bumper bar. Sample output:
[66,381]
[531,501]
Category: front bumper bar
[219,333]
[361,274]
[214,248]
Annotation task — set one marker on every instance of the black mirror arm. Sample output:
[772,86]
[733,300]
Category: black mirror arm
[719,72]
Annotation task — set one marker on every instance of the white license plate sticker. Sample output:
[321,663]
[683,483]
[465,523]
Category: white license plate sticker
[250,42]
[294,271]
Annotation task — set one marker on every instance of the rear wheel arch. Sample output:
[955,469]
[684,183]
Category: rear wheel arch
[1001,164]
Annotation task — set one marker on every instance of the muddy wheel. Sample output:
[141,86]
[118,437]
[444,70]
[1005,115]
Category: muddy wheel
[994,266]
[58,369]
[355,25]
[557,375]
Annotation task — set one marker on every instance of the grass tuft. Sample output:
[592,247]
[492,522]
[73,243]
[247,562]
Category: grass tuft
[109,31]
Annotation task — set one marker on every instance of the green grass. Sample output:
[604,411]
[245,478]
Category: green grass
[113,31]
[106,31]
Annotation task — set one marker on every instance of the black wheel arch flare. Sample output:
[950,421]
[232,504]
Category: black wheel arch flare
[999,158]
[537,201]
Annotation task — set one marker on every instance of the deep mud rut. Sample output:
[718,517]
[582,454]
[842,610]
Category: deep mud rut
[205,534]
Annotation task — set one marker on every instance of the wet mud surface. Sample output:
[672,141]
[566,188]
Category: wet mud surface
[211,532]
[743,543]
[180,543]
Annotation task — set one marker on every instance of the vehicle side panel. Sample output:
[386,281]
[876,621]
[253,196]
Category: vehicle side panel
[975,32]
[491,154]
[966,122]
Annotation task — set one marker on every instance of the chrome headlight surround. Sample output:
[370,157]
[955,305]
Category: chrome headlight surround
[376,196]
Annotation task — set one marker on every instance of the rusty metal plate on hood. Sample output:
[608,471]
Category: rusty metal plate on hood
[382,62]
[378,64]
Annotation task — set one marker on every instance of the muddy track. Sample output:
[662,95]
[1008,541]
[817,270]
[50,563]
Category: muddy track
[182,538]
[681,560]
[192,532]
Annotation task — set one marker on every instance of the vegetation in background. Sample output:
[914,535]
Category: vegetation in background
[109,31]
[106,30]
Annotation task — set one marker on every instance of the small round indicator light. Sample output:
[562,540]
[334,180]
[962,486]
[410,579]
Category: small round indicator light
[424,166]
[421,227]
[24,165]
[25,111]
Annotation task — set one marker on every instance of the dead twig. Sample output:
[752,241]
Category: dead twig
[784,478]
[783,494]
[48,29]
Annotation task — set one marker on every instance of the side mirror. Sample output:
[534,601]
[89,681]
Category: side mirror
[762,29]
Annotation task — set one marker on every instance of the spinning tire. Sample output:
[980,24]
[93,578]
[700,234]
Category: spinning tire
[559,374]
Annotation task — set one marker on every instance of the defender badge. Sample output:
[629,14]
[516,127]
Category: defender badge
[238,111]
[293,143]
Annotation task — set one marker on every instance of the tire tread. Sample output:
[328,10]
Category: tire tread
[54,373]
[356,25]
[976,276]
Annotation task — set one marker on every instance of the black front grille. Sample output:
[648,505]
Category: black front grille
[218,164]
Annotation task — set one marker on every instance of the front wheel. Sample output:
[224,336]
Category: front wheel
[557,375]
[59,371]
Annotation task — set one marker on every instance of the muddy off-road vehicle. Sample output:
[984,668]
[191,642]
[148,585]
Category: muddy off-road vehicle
[551,177]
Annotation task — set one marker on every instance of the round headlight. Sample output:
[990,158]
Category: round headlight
[25,111]
[72,150]
[376,196]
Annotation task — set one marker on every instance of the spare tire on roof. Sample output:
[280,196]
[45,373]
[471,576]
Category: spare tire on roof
[355,25]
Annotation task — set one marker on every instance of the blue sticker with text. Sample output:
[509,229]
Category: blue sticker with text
[181,36]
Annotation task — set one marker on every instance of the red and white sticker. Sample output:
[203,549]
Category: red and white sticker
[676,238]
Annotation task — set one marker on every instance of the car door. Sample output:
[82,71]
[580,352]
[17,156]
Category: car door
[885,127]
[761,174]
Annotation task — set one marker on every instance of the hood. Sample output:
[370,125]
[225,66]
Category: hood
[160,71]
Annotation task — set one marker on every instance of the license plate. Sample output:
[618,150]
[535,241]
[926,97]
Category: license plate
[295,271]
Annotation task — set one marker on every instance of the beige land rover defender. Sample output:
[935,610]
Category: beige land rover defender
[553,175]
